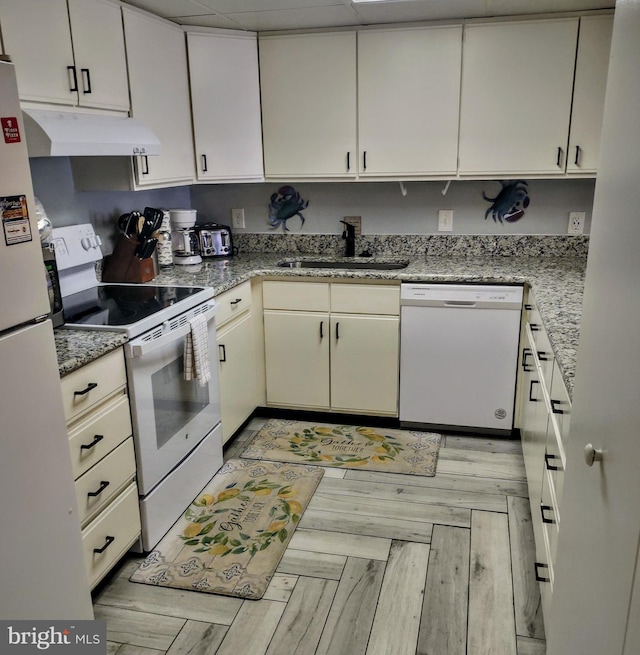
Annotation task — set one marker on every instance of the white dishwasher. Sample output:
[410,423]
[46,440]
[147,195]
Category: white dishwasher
[459,355]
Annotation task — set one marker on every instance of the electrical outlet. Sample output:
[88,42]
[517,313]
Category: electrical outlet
[445,220]
[356,221]
[576,223]
[237,218]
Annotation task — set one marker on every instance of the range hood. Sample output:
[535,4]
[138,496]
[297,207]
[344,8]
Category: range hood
[60,133]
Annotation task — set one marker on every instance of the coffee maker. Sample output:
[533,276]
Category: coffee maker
[186,249]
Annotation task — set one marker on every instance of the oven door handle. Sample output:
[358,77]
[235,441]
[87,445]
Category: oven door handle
[140,348]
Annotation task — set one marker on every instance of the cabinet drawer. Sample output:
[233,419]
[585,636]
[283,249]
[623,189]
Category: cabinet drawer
[101,484]
[91,439]
[90,384]
[365,299]
[107,538]
[233,303]
[560,407]
[550,519]
[303,296]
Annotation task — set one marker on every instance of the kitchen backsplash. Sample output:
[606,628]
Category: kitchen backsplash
[400,245]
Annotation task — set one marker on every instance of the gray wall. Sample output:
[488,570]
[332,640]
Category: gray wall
[385,210]
[53,185]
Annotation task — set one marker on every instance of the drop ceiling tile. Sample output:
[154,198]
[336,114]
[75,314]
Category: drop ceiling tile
[209,20]
[171,8]
[419,10]
[241,6]
[294,19]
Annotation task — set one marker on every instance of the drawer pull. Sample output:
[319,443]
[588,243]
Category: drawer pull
[531,398]
[550,467]
[543,356]
[337,331]
[528,307]
[321,330]
[236,301]
[223,352]
[526,352]
[554,408]
[108,541]
[96,440]
[543,509]
[541,578]
[90,386]
[103,485]
[534,327]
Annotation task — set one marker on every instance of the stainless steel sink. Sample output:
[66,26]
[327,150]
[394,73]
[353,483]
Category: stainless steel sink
[344,265]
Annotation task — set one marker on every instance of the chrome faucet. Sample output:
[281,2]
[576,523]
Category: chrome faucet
[349,234]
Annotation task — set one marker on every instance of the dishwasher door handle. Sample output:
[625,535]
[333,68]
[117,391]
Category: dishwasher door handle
[459,303]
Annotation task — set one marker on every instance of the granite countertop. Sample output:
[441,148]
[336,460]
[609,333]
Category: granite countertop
[556,281]
[76,348]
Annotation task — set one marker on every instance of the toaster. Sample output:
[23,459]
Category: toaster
[214,240]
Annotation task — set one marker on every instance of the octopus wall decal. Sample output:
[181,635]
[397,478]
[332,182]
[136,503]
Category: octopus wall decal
[510,203]
[284,204]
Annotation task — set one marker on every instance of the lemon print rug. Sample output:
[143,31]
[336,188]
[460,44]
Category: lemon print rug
[231,538]
[347,446]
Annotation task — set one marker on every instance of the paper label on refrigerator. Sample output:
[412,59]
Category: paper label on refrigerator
[10,129]
[15,220]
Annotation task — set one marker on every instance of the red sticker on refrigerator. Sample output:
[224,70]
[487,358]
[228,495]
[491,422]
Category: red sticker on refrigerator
[10,129]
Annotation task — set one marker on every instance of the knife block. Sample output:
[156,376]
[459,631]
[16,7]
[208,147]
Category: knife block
[123,266]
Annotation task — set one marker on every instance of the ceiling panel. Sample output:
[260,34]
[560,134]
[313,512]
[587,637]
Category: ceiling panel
[268,15]
[171,8]
[294,19]
[241,6]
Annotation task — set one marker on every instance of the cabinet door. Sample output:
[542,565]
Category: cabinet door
[364,363]
[237,374]
[408,100]
[98,44]
[308,86]
[225,96]
[516,97]
[159,81]
[592,64]
[37,37]
[297,358]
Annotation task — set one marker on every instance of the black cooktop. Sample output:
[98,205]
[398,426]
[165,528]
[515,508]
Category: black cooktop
[121,304]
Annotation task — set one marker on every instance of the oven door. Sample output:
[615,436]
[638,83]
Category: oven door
[170,415]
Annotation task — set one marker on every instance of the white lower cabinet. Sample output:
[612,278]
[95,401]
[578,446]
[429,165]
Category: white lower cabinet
[235,335]
[545,411]
[332,346]
[103,461]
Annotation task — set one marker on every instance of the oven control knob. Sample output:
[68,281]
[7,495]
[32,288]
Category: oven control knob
[85,242]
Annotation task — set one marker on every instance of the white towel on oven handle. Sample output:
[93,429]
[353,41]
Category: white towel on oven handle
[196,351]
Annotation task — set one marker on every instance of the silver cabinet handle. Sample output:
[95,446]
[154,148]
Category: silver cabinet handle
[592,454]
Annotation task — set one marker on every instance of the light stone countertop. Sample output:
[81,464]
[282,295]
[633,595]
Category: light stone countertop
[557,284]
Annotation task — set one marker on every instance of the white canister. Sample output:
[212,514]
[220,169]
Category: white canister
[164,248]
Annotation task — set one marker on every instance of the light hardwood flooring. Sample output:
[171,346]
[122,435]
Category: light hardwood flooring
[381,564]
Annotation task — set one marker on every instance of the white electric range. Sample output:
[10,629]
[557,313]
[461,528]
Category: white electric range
[176,423]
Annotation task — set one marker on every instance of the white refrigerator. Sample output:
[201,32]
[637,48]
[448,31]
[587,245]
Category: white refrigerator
[42,569]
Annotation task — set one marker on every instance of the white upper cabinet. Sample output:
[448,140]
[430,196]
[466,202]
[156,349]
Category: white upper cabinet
[225,97]
[516,97]
[408,100]
[159,82]
[592,65]
[308,85]
[70,56]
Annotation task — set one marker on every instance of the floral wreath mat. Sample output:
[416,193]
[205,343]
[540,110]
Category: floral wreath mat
[347,446]
[231,538]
